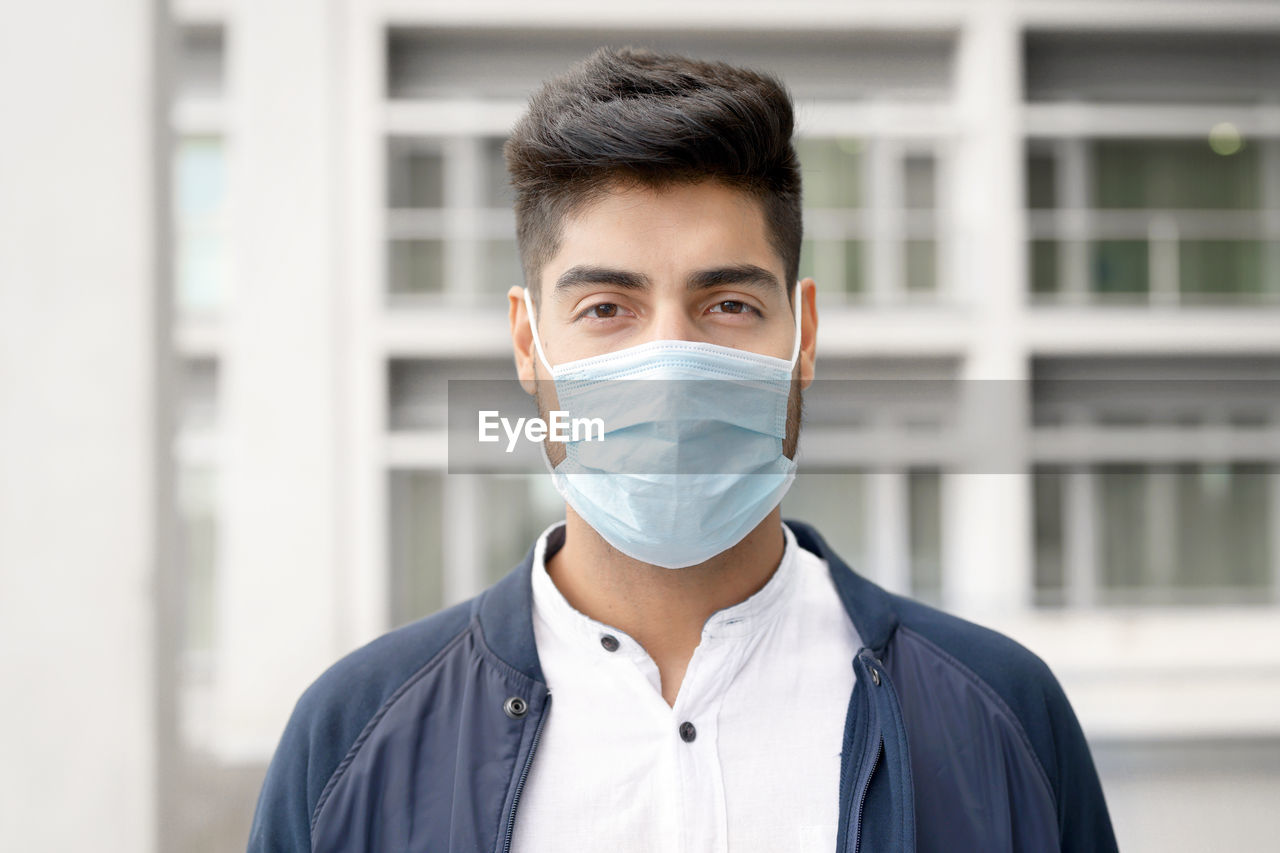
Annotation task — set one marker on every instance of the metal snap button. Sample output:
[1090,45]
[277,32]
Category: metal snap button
[875,676]
[687,732]
[609,642]
[515,707]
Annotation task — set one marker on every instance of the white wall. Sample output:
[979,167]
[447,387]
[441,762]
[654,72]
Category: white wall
[78,443]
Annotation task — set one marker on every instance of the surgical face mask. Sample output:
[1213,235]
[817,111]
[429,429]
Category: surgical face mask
[691,457]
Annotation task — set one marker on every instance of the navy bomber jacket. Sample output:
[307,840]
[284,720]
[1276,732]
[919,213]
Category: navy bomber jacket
[956,737]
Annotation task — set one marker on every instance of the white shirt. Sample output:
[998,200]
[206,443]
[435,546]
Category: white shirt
[766,693]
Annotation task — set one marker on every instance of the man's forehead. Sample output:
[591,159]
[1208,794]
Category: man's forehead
[702,234]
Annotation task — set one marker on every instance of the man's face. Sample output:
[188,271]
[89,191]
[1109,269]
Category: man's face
[687,262]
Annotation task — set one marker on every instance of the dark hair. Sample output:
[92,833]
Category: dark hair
[652,119]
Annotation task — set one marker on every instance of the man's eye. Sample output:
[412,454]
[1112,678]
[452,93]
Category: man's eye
[603,311]
[732,306]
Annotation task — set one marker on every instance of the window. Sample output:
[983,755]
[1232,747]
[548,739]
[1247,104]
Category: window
[1151,534]
[198,547]
[201,276]
[200,207]
[886,524]
[416,503]
[1155,220]
[450,227]
[871,226]
[437,522]
[1153,170]
[1156,482]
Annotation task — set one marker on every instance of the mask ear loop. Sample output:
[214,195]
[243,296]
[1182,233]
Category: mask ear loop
[537,344]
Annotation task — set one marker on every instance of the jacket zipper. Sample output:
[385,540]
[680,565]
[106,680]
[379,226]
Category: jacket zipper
[862,795]
[524,774]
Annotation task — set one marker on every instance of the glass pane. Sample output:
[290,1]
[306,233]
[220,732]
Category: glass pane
[418,389]
[836,504]
[919,177]
[1048,485]
[1223,539]
[416,266]
[201,62]
[497,183]
[836,266]
[415,175]
[527,505]
[415,511]
[1250,418]
[198,553]
[1122,517]
[1042,178]
[854,266]
[832,172]
[1217,523]
[1044,266]
[1220,266]
[198,409]
[1182,173]
[501,263]
[201,271]
[200,182]
[199,198]
[924,499]
[1120,266]
[921,266]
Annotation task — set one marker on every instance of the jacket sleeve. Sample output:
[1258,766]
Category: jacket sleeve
[282,819]
[328,720]
[1084,823]
[994,686]
[325,724]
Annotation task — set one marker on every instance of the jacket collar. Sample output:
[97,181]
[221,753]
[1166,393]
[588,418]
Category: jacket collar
[504,612]
[869,606]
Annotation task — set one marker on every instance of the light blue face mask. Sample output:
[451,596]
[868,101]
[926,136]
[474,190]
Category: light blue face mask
[691,458]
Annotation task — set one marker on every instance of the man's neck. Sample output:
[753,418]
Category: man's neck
[661,609]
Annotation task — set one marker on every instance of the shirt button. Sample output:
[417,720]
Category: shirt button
[688,732]
[609,642]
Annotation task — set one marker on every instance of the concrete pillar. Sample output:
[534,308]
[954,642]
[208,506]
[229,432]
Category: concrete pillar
[987,540]
[83,448]
[890,529]
[279,590]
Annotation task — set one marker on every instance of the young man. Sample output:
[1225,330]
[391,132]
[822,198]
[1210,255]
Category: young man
[722,680]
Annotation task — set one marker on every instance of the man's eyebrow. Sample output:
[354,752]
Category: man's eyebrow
[586,275]
[739,275]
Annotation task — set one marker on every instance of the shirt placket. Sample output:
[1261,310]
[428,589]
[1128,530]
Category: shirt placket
[695,818]
[695,715]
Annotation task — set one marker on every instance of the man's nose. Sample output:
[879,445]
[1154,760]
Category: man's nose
[673,323]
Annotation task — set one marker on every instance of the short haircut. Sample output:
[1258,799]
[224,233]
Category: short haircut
[652,119]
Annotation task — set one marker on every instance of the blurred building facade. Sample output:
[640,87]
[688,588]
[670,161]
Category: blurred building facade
[1041,194]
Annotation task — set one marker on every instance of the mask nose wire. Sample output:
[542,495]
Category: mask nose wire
[533,327]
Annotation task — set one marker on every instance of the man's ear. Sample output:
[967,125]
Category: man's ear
[808,306]
[521,339]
